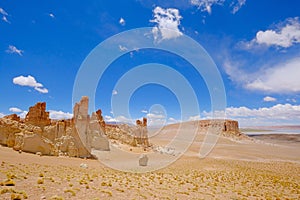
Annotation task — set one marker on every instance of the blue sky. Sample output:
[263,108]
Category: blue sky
[254,44]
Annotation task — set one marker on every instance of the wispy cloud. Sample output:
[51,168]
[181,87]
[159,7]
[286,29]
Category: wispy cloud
[167,23]
[236,6]
[293,100]
[12,49]
[114,92]
[122,48]
[30,82]
[51,15]
[119,119]
[122,21]
[282,78]
[156,119]
[144,111]
[3,12]
[285,35]
[15,110]
[4,15]
[206,5]
[269,99]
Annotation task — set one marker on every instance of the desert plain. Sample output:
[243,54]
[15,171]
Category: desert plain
[236,168]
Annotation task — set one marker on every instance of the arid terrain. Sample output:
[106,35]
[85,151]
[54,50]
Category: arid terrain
[237,168]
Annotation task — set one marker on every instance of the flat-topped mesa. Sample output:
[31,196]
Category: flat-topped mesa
[227,127]
[37,115]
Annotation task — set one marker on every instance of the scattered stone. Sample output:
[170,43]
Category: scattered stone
[84,165]
[38,153]
[143,160]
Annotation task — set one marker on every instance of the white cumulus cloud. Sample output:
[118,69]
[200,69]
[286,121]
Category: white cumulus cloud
[122,21]
[119,119]
[285,35]
[279,113]
[15,110]
[269,99]
[30,82]
[144,111]
[23,114]
[282,78]
[167,23]
[12,49]
[54,114]
[1,115]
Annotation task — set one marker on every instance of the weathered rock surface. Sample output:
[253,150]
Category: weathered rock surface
[136,136]
[12,117]
[77,137]
[37,133]
[37,115]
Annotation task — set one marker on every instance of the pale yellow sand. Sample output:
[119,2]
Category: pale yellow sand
[233,170]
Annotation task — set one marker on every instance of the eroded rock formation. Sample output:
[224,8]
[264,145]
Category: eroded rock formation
[136,136]
[37,115]
[226,127]
[38,133]
[78,136]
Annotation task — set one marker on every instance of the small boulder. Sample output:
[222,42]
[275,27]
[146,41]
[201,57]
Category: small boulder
[84,165]
[143,160]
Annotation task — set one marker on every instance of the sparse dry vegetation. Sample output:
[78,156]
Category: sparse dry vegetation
[188,178]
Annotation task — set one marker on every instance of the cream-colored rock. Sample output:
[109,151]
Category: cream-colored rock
[35,143]
[143,160]
[100,143]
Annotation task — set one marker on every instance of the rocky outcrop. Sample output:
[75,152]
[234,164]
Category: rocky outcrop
[37,115]
[14,117]
[37,133]
[227,127]
[136,136]
[75,137]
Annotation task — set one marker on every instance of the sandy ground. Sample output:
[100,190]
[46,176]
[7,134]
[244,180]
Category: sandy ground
[235,169]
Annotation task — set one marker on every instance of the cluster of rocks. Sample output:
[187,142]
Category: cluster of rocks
[136,136]
[74,137]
